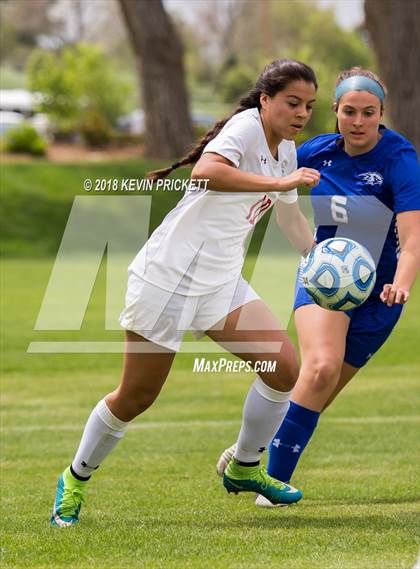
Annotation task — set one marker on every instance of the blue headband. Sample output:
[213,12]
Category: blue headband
[359,83]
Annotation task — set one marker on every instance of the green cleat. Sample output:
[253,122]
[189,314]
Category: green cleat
[68,500]
[238,478]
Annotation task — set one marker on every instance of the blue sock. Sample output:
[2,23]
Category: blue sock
[289,442]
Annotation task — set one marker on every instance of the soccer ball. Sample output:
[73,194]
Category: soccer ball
[338,273]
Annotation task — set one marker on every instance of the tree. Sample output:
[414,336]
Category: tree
[394,28]
[300,30]
[82,90]
[21,24]
[159,55]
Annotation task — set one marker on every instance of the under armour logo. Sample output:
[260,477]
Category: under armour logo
[327,163]
[294,448]
[263,159]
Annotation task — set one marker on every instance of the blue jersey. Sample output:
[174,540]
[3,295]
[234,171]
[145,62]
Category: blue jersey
[359,196]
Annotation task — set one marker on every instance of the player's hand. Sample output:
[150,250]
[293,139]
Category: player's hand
[393,294]
[302,177]
[306,252]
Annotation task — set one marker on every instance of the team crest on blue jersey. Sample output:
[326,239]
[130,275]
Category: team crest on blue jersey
[372,178]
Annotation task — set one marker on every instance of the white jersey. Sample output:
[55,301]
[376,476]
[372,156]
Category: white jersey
[199,246]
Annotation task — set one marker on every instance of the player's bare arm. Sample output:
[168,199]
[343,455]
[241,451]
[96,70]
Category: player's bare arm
[408,223]
[223,176]
[295,226]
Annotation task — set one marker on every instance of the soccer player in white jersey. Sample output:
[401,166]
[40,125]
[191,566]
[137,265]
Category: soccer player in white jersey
[188,276]
[369,191]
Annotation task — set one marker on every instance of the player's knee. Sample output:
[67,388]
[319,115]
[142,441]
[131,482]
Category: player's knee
[284,377]
[136,402]
[289,374]
[323,374]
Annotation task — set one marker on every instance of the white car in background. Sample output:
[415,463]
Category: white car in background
[10,119]
[18,106]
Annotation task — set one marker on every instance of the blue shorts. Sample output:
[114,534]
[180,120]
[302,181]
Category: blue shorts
[370,325]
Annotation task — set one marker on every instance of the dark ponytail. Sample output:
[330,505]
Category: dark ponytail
[274,78]
[248,102]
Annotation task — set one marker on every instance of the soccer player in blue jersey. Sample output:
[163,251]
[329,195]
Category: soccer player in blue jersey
[369,191]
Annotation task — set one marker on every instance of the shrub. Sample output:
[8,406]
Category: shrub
[95,129]
[25,139]
[82,89]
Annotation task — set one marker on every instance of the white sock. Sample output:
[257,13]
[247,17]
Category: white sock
[102,432]
[264,411]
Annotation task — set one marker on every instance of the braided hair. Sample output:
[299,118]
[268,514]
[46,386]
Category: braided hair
[275,77]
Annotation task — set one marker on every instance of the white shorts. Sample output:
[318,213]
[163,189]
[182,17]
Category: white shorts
[164,317]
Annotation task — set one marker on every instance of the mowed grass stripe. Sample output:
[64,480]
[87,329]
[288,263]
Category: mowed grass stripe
[209,424]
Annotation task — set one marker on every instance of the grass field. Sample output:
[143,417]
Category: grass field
[156,502]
